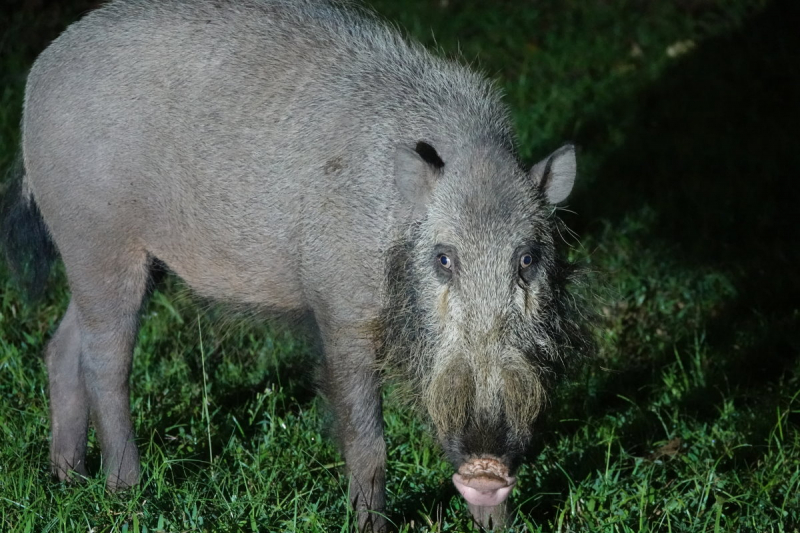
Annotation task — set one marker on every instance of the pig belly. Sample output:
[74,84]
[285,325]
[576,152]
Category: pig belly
[252,274]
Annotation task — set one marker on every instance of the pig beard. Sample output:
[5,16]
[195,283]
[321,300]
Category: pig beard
[442,380]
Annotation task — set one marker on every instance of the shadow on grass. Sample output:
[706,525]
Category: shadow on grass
[285,353]
[416,507]
[713,149]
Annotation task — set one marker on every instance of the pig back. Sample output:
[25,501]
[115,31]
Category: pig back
[248,146]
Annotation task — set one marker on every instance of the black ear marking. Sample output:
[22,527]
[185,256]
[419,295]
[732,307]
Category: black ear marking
[546,174]
[429,155]
[555,175]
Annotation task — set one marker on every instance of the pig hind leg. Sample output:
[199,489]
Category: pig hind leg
[69,405]
[108,284]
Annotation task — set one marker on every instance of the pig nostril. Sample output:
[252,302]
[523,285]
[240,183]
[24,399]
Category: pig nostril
[485,482]
[484,466]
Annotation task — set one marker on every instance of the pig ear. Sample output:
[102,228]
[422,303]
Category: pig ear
[416,171]
[555,174]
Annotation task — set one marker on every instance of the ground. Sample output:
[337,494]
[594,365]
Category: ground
[685,116]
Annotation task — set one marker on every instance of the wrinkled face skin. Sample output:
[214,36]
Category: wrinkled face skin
[479,321]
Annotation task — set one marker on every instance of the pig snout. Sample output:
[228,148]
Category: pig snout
[484,482]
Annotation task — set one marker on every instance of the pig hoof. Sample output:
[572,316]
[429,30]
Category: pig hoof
[116,482]
[67,471]
[374,523]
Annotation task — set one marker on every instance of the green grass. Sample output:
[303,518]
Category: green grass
[687,420]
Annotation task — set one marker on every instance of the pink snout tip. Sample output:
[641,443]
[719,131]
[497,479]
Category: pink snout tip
[484,483]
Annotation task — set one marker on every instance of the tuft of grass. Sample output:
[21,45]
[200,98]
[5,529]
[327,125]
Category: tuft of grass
[685,114]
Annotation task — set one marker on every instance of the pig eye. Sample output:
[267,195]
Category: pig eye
[529,256]
[446,262]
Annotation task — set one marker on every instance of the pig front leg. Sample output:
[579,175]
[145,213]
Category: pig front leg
[352,385]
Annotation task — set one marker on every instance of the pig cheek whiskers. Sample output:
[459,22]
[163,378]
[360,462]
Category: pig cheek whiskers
[526,298]
[443,303]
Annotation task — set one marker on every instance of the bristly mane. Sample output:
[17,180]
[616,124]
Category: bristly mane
[404,342]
